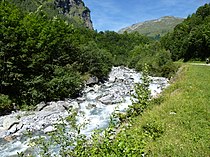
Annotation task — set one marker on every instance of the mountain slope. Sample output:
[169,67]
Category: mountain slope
[154,28]
[73,11]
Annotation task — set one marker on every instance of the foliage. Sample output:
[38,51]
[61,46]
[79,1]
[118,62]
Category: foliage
[5,104]
[141,96]
[156,57]
[42,59]
[190,39]
[95,60]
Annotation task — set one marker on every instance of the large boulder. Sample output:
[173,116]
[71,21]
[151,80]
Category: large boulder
[15,128]
[54,107]
[92,80]
[49,129]
[41,106]
[112,79]
[106,99]
[9,121]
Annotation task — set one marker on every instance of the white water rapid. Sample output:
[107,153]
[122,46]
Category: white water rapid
[97,103]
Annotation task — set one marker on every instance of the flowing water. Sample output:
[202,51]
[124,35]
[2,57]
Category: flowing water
[97,103]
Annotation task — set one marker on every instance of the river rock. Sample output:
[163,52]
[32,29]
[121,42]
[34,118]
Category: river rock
[3,132]
[8,138]
[54,107]
[41,106]
[49,129]
[9,122]
[112,79]
[74,105]
[117,100]
[15,128]
[80,99]
[92,80]
[106,99]
[96,87]
[90,106]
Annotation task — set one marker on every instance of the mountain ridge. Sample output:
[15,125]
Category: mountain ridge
[154,28]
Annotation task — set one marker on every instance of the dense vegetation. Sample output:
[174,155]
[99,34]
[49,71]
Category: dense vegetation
[190,40]
[46,58]
[43,59]
[157,58]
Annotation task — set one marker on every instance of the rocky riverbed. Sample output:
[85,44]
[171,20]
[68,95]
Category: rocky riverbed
[96,103]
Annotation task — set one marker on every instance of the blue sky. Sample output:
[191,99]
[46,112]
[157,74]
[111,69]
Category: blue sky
[116,14]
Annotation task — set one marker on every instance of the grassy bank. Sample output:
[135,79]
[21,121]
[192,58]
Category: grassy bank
[179,125]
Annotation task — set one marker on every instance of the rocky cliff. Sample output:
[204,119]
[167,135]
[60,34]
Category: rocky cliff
[74,9]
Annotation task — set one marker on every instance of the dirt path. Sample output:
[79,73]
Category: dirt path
[203,64]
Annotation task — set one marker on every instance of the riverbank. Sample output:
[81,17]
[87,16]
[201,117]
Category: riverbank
[177,124]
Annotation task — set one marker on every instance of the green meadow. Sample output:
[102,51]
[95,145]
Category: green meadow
[178,122]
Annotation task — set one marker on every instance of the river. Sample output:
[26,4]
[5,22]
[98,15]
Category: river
[97,103]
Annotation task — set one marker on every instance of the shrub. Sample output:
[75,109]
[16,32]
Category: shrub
[5,103]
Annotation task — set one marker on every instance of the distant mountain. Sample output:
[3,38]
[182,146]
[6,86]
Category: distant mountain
[154,28]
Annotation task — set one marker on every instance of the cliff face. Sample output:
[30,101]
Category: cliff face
[74,9]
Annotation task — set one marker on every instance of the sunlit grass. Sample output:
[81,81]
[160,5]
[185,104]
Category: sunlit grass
[179,125]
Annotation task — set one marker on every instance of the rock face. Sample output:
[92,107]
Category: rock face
[75,8]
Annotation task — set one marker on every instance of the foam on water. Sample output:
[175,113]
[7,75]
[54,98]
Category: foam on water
[13,148]
[92,107]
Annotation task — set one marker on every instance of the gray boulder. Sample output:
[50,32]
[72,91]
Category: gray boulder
[41,106]
[106,99]
[15,128]
[92,80]
[8,122]
[49,129]
[112,79]
[54,107]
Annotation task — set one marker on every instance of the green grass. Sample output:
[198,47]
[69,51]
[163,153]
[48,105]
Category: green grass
[180,124]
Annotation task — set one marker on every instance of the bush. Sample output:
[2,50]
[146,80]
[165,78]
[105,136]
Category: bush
[64,83]
[94,60]
[158,59]
[5,103]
